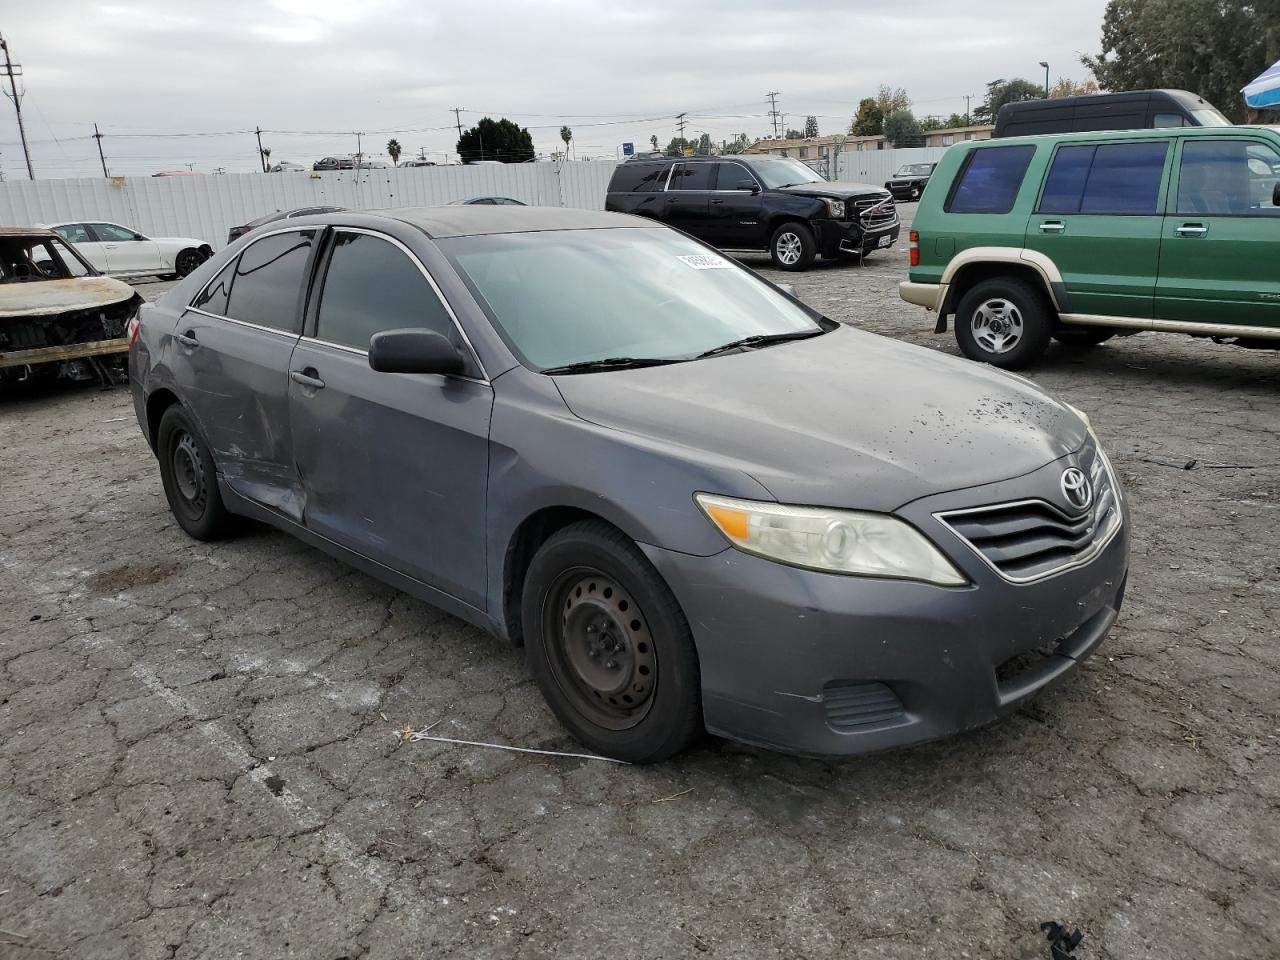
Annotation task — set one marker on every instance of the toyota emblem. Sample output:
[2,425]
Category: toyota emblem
[1076,488]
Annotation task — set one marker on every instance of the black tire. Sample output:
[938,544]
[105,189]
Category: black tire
[609,646]
[915,193]
[190,482]
[188,261]
[1082,337]
[792,246]
[1005,322]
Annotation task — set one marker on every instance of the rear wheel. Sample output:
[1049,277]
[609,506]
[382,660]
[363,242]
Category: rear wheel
[188,261]
[792,246]
[190,482]
[1005,322]
[1073,336]
[609,646]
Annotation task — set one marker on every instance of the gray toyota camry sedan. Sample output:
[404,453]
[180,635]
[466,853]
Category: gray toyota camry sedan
[695,501]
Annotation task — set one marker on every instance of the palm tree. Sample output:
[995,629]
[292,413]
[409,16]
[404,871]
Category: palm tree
[393,151]
[566,135]
[654,140]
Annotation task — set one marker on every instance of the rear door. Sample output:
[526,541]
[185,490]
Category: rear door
[127,250]
[1218,260]
[735,219]
[231,355]
[395,466]
[86,244]
[1099,219]
[688,198]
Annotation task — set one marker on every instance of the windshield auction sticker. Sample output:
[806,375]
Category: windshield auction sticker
[706,261]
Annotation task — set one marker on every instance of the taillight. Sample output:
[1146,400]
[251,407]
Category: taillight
[914,248]
[135,324]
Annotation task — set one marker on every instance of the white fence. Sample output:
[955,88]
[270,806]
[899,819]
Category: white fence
[207,207]
[877,166]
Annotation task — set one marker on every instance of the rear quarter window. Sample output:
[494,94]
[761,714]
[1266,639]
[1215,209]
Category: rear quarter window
[632,177]
[989,180]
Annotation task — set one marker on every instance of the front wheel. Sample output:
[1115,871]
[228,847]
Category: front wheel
[792,247]
[609,646]
[1005,322]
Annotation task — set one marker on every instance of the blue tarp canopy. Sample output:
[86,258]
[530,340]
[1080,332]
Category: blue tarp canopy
[1265,90]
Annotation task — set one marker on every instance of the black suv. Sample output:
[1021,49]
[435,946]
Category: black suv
[909,180]
[758,203]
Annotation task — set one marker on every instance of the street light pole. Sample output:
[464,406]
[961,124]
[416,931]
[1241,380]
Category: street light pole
[1045,64]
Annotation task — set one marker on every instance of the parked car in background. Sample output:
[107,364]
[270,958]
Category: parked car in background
[908,181]
[750,202]
[58,317]
[1130,110]
[121,251]
[1084,236]
[287,166]
[489,201]
[334,163]
[418,163]
[639,468]
[235,233]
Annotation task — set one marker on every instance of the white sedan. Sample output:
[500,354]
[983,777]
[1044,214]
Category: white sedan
[124,252]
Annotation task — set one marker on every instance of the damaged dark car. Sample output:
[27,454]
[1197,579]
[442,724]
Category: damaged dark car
[59,318]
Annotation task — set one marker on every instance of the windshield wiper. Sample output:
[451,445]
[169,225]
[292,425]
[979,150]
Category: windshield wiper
[609,363]
[759,340]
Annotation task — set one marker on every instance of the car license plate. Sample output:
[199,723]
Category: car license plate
[884,241]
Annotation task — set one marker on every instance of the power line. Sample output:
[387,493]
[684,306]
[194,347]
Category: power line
[14,70]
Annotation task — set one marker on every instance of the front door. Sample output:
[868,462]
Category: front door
[395,466]
[735,218]
[1218,258]
[86,245]
[1099,220]
[127,250]
[235,341]
[688,198]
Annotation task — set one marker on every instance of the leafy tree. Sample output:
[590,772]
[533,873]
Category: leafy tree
[393,151]
[496,140]
[1210,47]
[902,129]
[566,135]
[869,121]
[704,144]
[266,159]
[653,139]
[811,126]
[1010,91]
[891,100]
[676,147]
[739,144]
[1066,87]
[794,134]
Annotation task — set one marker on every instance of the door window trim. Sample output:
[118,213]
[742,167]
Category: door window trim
[309,322]
[667,186]
[1175,186]
[1162,194]
[741,166]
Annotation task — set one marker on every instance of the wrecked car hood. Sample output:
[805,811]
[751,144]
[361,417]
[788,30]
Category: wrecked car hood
[38,298]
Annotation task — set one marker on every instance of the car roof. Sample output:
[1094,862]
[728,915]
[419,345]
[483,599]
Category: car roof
[466,220]
[1146,133]
[27,231]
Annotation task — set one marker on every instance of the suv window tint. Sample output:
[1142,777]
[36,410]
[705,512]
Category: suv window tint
[691,176]
[637,177]
[990,179]
[1228,178]
[370,286]
[213,298]
[110,233]
[268,279]
[1064,186]
[730,176]
[1124,178]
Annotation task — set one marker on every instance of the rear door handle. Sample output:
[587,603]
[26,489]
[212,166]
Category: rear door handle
[187,339]
[1052,226]
[717,201]
[307,378]
[1192,230]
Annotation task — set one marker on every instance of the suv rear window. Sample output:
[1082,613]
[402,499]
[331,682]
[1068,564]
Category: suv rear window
[990,179]
[638,177]
[1109,178]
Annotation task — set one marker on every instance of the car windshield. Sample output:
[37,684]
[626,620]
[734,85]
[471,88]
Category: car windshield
[572,296]
[783,172]
[914,170]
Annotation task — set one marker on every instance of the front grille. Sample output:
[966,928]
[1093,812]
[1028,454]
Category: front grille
[1031,539]
[876,212]
[851,705]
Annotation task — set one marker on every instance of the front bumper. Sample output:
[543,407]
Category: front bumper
[817,663]
[849,236]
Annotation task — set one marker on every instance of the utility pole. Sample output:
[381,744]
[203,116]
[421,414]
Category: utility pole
[967,116]
[359,149]
[772,97]
[14,70]
[680,122]
[98,136]
[262,161]
[457,116]
[422,153]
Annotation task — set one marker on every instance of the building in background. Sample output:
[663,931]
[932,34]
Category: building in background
[810,149]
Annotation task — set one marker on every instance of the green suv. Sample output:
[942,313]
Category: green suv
[1080,237]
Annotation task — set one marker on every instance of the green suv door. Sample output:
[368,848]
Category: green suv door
[1218,258]
[1099,219]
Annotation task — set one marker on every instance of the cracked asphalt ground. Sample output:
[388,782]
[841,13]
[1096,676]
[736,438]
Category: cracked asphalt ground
[201,750]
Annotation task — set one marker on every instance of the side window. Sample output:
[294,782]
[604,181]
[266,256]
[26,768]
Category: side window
[990,179]
[691,176]
[266,285]
[1064,186]
[74,233]
[370,286]
[1125,178]
[110,233]
[733,176]
[213,298]
[1162,121]
[1228,178]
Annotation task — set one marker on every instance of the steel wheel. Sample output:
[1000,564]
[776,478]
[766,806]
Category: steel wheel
[789,248]
[601,653]
[188,473]
[997,325]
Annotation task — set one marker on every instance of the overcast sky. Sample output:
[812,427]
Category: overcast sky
[309,71]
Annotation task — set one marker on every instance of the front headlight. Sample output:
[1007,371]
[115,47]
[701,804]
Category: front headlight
[835,541]
[835,209]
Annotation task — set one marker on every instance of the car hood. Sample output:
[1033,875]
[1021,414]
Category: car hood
[46,298]
[836,189]
[848,419]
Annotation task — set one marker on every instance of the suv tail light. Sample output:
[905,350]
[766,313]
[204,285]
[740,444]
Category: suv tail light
[914,248]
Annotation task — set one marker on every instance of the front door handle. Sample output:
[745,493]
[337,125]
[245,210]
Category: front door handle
[1192,230]
[187,339]
[717,201]
[1052,226]
[307,378]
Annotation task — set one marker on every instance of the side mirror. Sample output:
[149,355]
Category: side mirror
[749,185]
[414,351]
[138,236]
[1275,194]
